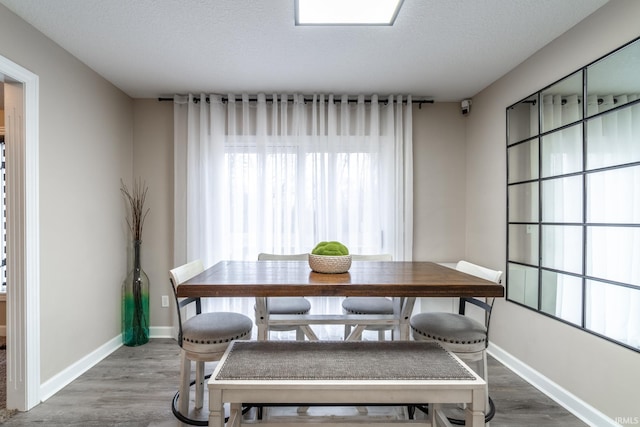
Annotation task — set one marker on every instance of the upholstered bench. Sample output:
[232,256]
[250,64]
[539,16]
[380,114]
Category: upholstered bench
[335,373]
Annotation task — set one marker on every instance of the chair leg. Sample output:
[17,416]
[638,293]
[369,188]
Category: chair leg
[299,334]
[381,333]
[199,384]
[485,376]
[185,380]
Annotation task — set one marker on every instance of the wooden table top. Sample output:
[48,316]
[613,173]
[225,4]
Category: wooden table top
[370,278]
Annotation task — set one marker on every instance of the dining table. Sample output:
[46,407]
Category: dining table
[403,281]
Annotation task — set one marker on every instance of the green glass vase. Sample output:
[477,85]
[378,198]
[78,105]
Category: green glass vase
[135,303]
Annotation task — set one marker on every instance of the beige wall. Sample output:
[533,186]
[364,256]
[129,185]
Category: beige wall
[604,375]
[86,133]
[439,182]
[153,157]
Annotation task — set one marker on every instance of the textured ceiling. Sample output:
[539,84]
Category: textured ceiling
[445,50]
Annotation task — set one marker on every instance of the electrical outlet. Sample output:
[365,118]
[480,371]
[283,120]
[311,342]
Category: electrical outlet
[165,300]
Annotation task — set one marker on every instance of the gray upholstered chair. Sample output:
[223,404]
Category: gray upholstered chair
[369,305]
[287,305]
[203,337]
[466,337]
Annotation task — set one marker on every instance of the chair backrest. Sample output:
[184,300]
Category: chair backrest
[275,257]
[483,273]
[479,271]
[375,257]
[178,276]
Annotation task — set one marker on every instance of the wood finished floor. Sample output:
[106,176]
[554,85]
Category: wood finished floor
[134,387]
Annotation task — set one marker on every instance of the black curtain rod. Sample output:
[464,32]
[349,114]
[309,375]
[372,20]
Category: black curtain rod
[367,101]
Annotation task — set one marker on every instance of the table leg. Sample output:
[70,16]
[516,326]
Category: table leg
[356,333]
[311,336]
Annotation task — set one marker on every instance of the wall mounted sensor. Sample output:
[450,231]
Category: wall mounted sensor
[465,106]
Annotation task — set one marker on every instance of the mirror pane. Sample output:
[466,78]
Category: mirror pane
[562,247]
[561,103]
[612,311]
[523,243]
[523,161]
[523,202]
[612,139]
[562,151]
[523,285]
[613,81]
[612,254]
[562,296]
[613,196]
[522,120]
[562,199]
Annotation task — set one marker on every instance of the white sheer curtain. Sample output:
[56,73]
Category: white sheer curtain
[279,173]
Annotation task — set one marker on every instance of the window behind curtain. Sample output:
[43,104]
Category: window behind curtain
[280,187]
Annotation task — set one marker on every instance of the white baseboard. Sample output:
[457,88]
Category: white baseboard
[570,402]
[64,378]
[161,332]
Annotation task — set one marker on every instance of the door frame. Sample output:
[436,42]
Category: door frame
[23,232]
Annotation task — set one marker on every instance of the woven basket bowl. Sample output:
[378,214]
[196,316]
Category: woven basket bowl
[330,264]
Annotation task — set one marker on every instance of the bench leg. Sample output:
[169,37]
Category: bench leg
[216,409]
[474,414]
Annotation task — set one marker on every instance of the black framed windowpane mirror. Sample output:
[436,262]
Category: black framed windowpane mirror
[573,199]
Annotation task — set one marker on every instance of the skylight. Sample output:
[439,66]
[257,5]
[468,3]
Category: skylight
[347,12]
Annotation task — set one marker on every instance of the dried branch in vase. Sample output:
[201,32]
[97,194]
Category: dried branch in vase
[136,198]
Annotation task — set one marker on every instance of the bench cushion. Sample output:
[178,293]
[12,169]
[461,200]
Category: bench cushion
[340,360]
